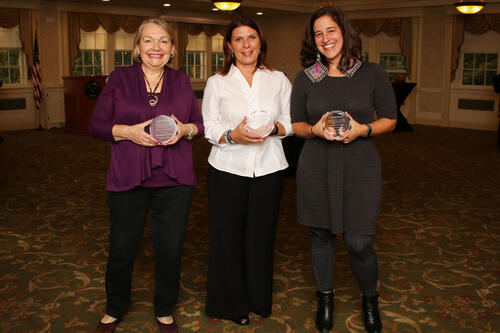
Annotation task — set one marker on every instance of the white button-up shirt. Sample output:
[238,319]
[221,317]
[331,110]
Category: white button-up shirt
[227,100]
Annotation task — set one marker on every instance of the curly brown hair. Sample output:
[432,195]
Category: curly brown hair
[350,49]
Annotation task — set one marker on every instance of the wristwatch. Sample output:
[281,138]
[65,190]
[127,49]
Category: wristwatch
[369,131]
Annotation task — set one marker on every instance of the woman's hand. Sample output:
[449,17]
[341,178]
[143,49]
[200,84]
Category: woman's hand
[241,135]
[134,133]
[319,130]
[355,132]
[182,131]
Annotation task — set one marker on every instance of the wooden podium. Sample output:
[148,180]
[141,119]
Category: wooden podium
[80,97]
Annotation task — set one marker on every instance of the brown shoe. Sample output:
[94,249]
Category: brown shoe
[167,328]
[107,328]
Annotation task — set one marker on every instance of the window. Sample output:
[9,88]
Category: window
[479,68]
[393,63]
[12,59]
[217,53]
[124,46]
[91,58]
[365,57]
[195,58]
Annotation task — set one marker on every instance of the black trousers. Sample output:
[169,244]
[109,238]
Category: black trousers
[169,214]
[243,216]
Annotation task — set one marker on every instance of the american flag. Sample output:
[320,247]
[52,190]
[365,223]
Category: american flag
[37,90]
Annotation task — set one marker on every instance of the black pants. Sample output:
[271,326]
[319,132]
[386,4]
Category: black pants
[361,254]
[128,210]
[243,215]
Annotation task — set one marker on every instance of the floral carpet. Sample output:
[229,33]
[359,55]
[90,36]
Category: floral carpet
[438,241]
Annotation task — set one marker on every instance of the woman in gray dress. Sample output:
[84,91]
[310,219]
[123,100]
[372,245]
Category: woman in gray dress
[339,179]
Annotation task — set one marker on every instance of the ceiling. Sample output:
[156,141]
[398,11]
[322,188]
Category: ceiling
[189,10]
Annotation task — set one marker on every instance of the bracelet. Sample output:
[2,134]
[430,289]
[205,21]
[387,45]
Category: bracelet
[275,130]
[190,134]
[228,137]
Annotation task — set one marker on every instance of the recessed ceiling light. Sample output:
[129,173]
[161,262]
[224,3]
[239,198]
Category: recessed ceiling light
[215,9]
[166,5]
[260,13]
[105,0]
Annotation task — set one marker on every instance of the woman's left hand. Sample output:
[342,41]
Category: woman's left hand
[355,132]
[182,131]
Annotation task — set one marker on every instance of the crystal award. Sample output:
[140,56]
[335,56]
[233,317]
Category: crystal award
[163,128]
[337,123]
[259,123]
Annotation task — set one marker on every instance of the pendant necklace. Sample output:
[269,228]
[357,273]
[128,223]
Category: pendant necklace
[153,99]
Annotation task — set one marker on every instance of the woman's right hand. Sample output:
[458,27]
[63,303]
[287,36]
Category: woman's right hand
[319,130]
[135,133]
[241,135]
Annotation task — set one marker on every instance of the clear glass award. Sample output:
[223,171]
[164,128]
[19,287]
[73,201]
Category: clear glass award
[163,128]
[259,123]
[337,123]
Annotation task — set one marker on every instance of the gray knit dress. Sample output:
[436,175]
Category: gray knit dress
[339,185]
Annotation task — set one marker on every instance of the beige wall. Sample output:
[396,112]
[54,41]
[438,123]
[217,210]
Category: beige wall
[284,41]
[432,102]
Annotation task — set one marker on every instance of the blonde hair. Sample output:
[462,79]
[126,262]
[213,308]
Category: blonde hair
[138,34]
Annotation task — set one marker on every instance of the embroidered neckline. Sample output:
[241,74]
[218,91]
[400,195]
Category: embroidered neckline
[318,72]
[351,71]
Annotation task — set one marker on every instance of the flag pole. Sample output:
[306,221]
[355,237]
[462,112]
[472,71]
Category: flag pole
[37,80]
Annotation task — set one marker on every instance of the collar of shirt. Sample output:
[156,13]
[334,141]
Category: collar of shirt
[251,92]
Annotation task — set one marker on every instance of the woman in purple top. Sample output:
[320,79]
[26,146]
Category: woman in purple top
[146,174]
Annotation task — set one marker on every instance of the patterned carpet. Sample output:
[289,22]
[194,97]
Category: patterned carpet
[438,241]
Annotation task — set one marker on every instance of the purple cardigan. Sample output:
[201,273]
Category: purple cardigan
[124,100]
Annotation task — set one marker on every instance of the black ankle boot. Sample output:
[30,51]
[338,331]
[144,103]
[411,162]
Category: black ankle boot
[373,324]
[324,316]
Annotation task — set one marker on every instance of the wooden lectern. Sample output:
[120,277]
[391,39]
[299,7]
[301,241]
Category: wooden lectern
[80,97]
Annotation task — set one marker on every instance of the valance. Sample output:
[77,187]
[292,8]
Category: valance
[480,23]
[112,23]
[209,29]
[9,17]
[371,27]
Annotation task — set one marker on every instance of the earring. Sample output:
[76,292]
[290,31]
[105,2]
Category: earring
[317,71]
[232,55]
[138,54]
[171,55]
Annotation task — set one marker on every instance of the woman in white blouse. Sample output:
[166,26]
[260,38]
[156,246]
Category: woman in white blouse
[245,176]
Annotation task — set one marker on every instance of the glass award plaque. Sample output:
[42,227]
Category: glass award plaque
[337,123]
[163,128]
[259,123]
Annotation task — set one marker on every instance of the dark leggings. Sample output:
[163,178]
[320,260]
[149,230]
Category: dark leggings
[362,256]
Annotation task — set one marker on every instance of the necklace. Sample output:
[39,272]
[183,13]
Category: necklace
[153,99]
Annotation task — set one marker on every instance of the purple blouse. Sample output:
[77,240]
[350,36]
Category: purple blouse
[124,100]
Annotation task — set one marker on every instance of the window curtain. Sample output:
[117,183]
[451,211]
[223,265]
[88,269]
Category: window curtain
[194,29]
[391,27]
[90,22]
[476,24]
[10,17]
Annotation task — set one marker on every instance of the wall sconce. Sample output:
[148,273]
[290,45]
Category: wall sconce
[469,7]
[227,6]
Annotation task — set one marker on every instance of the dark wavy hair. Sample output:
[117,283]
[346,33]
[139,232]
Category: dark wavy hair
[228,59]
[350,49]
